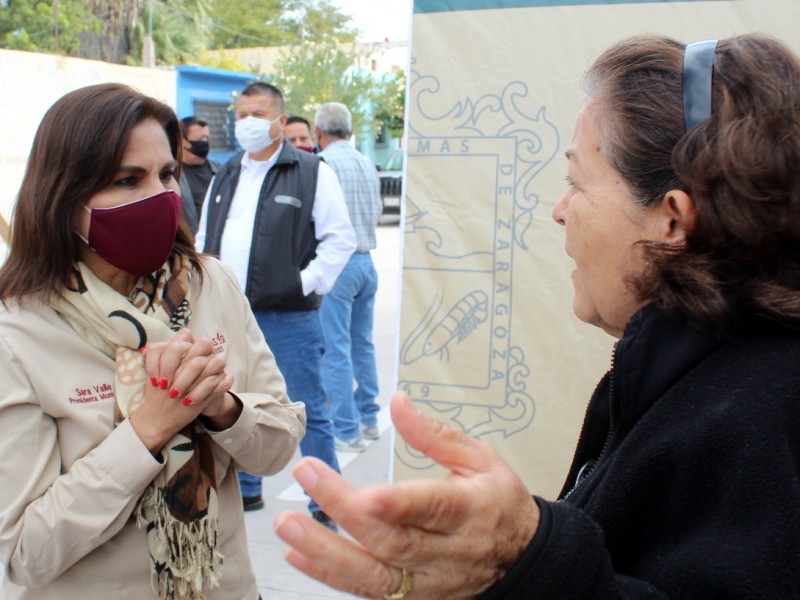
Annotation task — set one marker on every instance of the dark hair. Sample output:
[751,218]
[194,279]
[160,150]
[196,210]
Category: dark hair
[76,152]
[187,122]
[741,167]
[258,88]
[298,119]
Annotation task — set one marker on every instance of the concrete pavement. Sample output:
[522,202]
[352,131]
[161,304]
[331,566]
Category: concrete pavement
[277,580]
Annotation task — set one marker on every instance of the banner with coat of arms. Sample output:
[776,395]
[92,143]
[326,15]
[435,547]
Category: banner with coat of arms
[488,342]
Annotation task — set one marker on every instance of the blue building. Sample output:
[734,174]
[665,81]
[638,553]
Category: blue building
[209,93]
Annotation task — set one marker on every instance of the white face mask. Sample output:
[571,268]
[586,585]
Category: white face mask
[253,134]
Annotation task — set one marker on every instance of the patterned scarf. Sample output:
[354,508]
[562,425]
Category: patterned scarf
[179,509]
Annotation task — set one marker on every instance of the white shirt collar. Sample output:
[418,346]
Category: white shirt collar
[259,165]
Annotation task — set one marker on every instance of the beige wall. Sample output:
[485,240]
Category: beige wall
[32,82]
[488,341]
[378,57]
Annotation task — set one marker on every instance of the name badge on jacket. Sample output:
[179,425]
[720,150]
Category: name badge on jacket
[281,199]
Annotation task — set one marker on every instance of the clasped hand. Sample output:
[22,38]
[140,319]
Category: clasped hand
[186,380]
[457,537]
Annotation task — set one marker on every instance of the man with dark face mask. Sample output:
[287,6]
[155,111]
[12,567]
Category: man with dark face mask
[196,169]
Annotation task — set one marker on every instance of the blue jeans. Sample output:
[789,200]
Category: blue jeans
[296,340]
[347,314]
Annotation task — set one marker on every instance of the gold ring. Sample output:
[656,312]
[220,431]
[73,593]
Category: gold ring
[405,586]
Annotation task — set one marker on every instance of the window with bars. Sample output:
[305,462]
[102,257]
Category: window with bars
[220,124]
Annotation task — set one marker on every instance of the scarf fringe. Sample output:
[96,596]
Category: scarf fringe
[190,549]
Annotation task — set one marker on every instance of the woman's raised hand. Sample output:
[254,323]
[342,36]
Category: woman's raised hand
[186,379]
[455,537]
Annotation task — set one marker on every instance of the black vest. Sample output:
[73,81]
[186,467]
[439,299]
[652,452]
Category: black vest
[284,240]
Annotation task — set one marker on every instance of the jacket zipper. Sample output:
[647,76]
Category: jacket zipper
[587,469]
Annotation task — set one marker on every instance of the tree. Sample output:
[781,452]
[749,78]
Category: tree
[38,25]
[181,31]
[114,30]
[247,23]
[312,74]
[110,30]
[111,41]
[252,23]
[316,21]
[222,60]
[389,98]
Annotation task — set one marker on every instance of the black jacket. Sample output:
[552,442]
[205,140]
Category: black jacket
[691,491]
[189,203]
[284,239]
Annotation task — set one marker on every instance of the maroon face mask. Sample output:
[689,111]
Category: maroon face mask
[136,237]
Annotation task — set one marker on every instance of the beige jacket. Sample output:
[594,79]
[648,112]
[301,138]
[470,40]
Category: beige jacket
[69,479]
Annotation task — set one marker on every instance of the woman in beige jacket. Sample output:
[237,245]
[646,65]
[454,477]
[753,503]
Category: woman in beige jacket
[135,379]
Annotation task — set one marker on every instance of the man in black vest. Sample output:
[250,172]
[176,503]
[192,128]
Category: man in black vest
[277,216]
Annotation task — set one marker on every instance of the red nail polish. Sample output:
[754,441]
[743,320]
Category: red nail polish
[164,383]
[187,401]
[142,350]
[154,381]
[173,393]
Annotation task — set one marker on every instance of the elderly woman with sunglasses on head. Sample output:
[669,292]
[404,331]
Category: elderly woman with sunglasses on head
[135,378]
[683,218]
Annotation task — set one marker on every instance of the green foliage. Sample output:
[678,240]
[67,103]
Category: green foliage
[389,97]
[253,23]
[221,61]
[316,21]
[317,68]
[312,74]
[31,25]
[181,30]
[247,23]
